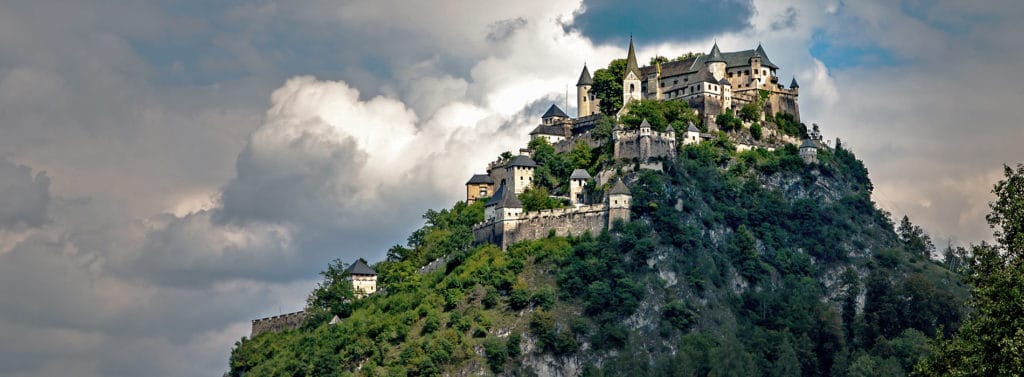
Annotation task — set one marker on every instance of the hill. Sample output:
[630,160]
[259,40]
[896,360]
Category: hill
[736,264]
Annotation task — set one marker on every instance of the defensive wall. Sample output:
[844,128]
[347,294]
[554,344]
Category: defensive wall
[277,323]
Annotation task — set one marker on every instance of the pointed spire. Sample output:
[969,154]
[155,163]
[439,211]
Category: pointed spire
[793,83]
[619,188]
[690,127]
[631,65]
[585,78]
[645,124]
[715,55]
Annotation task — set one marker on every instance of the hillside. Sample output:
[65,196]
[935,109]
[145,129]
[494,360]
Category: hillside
[735,264]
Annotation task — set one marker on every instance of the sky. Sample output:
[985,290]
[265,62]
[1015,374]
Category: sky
[170,171]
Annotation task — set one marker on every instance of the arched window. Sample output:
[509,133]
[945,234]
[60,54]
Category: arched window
[632,88]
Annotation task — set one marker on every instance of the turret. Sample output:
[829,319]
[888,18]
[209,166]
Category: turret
[503,206]
[809,151]
[577,186]
[619,200]
[520,172]
[553,116]
[362,277]
[584,106]
[631,88]
[726,90]
[715,63]
[478,186]
[692,135]
[793,86]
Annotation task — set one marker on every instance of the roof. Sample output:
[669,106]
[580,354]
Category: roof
[359,267]
[504,199]
[585,78]
[619,189]
[793,84]
[696,63]
[645,124]
[631,65]
[522,160]
[579,174]
[808,143]
[554,111]
[715,55]
[482,179]
[690,127]
[548,130]
[725,82]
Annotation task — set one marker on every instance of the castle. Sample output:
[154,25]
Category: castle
[710,84]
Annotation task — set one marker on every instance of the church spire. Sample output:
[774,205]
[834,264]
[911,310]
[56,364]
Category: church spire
[631,65]
[715,55]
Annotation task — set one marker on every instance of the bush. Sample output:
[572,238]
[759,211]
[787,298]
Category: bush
[496,351]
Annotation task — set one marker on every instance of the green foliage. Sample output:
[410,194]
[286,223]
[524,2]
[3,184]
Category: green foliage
[788,125]
[726,121]
[755,131]
[334,293]
[750,112]
[914,239]
[991,340]
[538,198]
[660,114]
[608,86]
[496,352]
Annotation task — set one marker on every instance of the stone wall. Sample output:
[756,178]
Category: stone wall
[277,323]
[538,224]
[566,145]
[632,145]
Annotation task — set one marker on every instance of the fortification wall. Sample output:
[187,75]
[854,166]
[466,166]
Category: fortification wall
[537,224]
[277,323]
[628,144]
[566,145]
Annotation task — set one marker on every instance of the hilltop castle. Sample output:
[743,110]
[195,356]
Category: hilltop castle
[710,84]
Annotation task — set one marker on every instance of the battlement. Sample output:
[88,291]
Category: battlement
[277,323]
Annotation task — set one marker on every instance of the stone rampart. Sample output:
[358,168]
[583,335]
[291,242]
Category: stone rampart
[566,145]
[538,224]
[277,323]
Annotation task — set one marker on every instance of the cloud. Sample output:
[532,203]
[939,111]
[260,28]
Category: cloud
[24,198]
[605,21]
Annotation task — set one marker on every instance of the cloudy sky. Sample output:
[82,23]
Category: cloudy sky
[171,170]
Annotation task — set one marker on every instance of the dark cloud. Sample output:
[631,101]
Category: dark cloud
[609,21]
[24,198]
[785,20]
[504,28]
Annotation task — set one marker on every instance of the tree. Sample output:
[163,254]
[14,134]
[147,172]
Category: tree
[726,121]
[608,86]
[334,293]
[755,131]
[658,59]
[991,341]
[750,112]
[914,239]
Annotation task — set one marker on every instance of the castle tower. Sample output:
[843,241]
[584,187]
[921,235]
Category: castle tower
[794,87]
[520,172]
[584,101]
[631,88]
[715,63]
[809,151]
[577,186]
[362,277]
[645,140]
[755,68]
[619,199]
[692,134]
[654,83]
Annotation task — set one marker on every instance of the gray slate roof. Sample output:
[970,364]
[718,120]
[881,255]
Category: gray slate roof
[548,130]
[645,124]
[724,82]
[585,78]
[554,111]
[524,161]
[483,179]
[690,127]
[504,198]
[793,84]
[579,174]
[359,267]
[715,55]
[694,64]
[619,188]
[808,143]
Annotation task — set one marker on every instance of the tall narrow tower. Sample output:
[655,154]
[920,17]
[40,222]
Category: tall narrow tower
[584,106]
[716,63]
[631,78]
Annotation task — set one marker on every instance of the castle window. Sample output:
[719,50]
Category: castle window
[747,72]
[674,82]
[662,85]
[765,72]
[632,88]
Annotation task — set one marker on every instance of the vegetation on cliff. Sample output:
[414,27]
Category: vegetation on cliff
[735,264]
